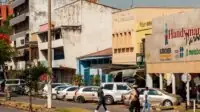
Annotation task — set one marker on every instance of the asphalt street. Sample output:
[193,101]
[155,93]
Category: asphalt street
[65,104]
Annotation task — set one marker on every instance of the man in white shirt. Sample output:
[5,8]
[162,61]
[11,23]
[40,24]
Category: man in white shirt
[146,106]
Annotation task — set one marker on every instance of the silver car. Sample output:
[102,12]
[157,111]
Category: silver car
[156,97]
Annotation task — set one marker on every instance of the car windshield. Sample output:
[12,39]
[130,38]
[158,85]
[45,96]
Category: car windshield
[61,88]
[163,91]
[55,85]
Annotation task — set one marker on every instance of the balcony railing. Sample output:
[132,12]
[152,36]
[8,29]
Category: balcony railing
[18,19]
[17,3]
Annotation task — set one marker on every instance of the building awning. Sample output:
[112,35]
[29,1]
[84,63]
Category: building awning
[17,3]
[127,72]
[99,54]
[18,19]
[21,34]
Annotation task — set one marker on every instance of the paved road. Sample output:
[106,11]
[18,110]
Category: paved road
[5,109]
[64,104]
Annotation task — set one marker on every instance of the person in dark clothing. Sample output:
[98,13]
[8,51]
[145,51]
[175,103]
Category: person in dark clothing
[137,103]
[101,99]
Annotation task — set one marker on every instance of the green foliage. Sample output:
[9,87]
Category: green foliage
[6,52]
[77,79]
[6,28]
[97,80]
[32,75]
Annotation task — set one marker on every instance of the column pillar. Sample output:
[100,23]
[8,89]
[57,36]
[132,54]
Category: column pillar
[149,81]
[173,83]
[161,81]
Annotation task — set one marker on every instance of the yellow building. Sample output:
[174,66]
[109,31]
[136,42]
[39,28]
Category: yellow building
[130,27]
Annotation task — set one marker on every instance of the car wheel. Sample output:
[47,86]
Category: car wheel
[54,97]
[80,99]
[167,103]
[109,100]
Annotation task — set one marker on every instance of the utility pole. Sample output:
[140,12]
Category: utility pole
[49,93]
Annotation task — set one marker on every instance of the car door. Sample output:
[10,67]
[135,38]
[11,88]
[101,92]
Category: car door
[121,89]
[94,94]
[87,94]
[155,97]
[71,92]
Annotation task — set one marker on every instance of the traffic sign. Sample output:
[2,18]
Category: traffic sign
[186,77]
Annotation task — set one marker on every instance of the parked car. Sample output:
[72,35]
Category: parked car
[88,93]
[53,86]
[113,91]
[16,85]
[56,89]
[156,96]
[67,93]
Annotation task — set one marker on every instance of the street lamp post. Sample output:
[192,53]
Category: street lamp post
[49,94]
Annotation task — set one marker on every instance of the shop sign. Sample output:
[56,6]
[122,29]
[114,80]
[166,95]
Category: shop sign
[165,54]
[145,24]
[192,52]
[186,78]
[190,35]
[179,53]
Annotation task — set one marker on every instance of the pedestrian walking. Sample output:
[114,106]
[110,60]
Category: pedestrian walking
[133,99]
[101,100]
[147,105]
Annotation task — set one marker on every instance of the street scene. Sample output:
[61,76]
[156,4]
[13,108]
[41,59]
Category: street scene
[99,56]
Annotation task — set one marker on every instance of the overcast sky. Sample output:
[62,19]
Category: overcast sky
[151,3]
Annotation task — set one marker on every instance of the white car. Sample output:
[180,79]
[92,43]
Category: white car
[56,89]
[67,93]
[113,91]
[88,93]
[53,86]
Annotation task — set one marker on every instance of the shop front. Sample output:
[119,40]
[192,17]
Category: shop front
[172,51]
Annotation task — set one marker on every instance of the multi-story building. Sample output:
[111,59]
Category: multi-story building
[28,14]
[127,28]
[173,52]
[80,27]
[130,27]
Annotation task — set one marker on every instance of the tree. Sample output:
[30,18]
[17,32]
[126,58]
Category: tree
[32,77]
[6,53]
[77,79]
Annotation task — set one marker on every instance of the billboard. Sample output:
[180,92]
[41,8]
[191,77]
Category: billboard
[175,38]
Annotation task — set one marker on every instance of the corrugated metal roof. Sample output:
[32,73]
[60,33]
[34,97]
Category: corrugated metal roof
[105,52]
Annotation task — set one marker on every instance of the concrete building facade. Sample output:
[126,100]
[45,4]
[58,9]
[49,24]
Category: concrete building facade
[173,50]
[84,27]
[130,27]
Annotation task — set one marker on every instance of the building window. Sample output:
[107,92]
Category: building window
[127,49]
[115,51]
[123,50]
[131,49]
[119,50]
[57,35]
[117,34]
[59,53]
[121,34]
[113,35]
[15,43]
[22,42]
[125,33]
[129,33]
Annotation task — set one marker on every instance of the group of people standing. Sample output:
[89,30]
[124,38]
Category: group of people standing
[134,100]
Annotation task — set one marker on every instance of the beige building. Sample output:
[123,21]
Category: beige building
[129,27]
[173,49]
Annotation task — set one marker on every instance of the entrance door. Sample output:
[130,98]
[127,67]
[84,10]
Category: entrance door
[86,76]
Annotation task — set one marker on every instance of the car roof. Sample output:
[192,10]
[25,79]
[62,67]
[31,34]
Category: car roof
[115,83]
